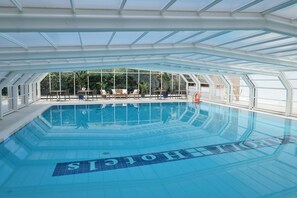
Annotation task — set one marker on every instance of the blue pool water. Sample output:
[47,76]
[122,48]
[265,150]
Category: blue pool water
[151,150]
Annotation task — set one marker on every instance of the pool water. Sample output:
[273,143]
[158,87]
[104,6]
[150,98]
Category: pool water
[151,150]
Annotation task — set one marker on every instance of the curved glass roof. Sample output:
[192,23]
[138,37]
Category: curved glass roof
[225,39]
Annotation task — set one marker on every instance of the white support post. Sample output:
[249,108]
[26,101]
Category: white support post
[229,88]
[10,97]
[15,94]
[34,91]
[289,97]
[252,91]
[28,87]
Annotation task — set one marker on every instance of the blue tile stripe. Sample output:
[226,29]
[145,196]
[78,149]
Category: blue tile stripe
[87,166]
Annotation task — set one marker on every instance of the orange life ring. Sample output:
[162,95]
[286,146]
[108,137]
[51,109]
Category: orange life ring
[197,97]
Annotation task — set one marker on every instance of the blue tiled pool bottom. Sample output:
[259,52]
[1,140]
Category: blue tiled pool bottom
[151,150]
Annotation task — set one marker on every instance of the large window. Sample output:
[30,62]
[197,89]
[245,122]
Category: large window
[205,91]
[270,93]
[240,90]
[220,92]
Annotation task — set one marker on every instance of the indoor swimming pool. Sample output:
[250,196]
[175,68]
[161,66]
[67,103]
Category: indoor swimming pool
[151,150]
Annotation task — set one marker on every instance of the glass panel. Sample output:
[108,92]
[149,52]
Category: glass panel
[98,4]
[264,5]
[132,80]
[231,36]
[65,38]
[44,86]
[55,80]
[67,82]
[190,5]
[273,100]
[146,5]
[145,78]
[291,74]
[6,100]
[152,37]
[125,38]
[30,39]
[6,43]
[200,36]
[95,38]
[107,78]
[294,102]
[6,3]
[178,36]
[265,37]
[46,3]
[229,5]
[120,79]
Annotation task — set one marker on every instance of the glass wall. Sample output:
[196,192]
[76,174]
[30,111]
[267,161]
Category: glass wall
[270,93]
[292,78]
[240,90]
[220,91]
[205,92]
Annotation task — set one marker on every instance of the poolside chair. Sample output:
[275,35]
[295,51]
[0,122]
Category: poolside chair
[104,94]
[66,94]
[135,93]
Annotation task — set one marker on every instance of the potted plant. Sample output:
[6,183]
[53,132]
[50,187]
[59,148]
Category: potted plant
[143,88]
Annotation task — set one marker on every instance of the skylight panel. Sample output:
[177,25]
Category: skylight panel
[46,3]
[153,37]
[98,4]
[288,12]
[229,5]
[125,38]
[30,39]
[6,43]
[264,5]
[178,36]
[189,5]
[6,3]
[65,38]
[146,5]
[95,38]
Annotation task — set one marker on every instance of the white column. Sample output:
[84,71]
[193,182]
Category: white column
[229,88]
[252,91]
[289,96]
[150,82]
[15,94]
[33,91]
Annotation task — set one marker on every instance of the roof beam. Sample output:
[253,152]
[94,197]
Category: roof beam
[13,40]
[165,37]
[43,22]
[279,7]
[46,67]
[169,4]
[207,7]
[248,5]
[140,37]
[211,36]
[110,39]
[17,4]
[80,40]
[193,35]
[72,6]
[123,5]
[44,35]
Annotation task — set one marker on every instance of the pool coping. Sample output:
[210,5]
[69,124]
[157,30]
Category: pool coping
[15,121]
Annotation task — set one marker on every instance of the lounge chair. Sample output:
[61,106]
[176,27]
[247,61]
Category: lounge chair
[104,94]
[135,93]
[119,93]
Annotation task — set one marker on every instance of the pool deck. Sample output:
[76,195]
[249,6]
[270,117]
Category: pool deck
[16,120]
